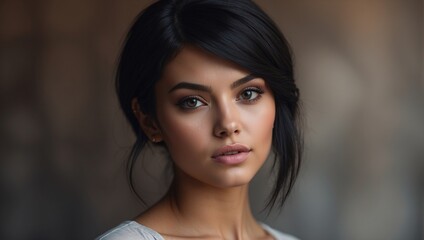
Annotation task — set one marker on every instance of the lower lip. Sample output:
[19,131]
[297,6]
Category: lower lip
[232,159]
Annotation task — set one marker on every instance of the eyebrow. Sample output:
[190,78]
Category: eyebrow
[199,87]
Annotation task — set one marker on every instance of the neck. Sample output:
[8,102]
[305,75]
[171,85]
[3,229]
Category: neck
[220,212]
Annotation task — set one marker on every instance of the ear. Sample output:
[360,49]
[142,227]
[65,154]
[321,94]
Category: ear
[147,123]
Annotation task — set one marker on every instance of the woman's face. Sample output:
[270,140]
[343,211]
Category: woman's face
[215,119]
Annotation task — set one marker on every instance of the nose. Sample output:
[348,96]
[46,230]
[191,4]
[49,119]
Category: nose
[226,120]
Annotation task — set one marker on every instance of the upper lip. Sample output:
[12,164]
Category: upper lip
[237,147]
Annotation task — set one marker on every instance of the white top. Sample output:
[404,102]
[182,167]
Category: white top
[131,230]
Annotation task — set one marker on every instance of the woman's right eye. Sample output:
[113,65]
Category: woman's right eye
[190,103]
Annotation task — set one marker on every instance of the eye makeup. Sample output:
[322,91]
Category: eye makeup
[191,102]
[250,94]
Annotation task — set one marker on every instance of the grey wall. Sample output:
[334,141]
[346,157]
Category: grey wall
[63,140]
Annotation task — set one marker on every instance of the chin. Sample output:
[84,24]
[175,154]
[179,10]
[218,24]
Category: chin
[233,180]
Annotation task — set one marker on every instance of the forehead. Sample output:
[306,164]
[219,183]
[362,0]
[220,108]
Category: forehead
[195,65]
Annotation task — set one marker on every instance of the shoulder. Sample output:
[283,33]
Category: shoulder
[130,230]
[277,234]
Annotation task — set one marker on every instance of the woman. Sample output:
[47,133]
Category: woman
[211,81]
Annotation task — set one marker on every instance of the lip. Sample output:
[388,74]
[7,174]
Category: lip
[224,154]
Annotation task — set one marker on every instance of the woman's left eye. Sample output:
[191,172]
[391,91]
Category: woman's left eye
[250,94]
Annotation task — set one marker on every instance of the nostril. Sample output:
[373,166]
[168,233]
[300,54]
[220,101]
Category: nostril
[225,133]
[226,130]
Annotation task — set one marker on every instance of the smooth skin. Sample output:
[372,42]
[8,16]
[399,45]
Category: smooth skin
[203,104]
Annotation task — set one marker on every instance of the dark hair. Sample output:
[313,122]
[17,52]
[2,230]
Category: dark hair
[235,30]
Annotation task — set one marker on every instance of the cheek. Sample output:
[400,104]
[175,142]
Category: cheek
[260,121]
[265,132]
[260,126]
[181,131]
[268,118]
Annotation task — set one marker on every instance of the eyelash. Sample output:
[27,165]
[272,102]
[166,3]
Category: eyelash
[257,90]
[184,101]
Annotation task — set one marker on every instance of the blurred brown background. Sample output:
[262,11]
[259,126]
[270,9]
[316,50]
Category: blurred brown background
[63,140]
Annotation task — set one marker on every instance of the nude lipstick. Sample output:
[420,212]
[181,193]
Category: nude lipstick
[231,154]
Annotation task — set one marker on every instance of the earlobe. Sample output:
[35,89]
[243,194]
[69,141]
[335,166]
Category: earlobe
[146,122]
